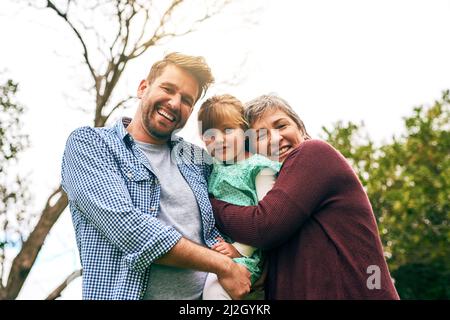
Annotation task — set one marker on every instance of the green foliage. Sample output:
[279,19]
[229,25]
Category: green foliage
[12,141]
[423,280]
[408,183]
[13,191]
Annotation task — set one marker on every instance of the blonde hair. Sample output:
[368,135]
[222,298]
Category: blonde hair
[220,111]
[194,65]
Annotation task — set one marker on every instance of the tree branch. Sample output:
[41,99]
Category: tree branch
[117,106]
[57,292]
[140,49]
[119,12]
[85,51]
[160,33]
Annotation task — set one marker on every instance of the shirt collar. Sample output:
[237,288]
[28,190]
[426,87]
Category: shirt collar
[120,128]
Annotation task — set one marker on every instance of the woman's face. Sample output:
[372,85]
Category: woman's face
[276,135]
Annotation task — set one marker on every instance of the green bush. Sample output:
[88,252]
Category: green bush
[423,281]
[408,183]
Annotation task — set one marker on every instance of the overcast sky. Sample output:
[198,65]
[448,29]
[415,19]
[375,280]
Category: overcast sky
[370,61]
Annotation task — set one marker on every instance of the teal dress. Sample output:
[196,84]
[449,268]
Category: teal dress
[235,184]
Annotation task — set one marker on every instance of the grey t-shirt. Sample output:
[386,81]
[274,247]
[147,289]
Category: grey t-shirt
[178,208]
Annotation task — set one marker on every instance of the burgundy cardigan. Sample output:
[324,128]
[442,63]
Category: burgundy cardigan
[318,227]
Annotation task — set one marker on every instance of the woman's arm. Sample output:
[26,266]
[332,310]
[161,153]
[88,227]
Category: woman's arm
[307,178]
[264,181]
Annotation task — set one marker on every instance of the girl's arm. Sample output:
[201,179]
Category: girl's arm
[264,182]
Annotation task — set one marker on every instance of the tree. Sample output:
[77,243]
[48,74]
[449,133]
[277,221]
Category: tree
[14,221]
[133,27]
[408,183]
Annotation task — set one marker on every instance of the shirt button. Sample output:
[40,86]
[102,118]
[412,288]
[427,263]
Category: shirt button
[129,175]
[153,208]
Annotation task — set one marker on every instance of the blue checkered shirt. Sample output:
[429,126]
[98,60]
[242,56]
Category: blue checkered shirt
[114,200]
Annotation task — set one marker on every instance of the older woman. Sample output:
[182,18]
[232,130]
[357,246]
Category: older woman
[316,223]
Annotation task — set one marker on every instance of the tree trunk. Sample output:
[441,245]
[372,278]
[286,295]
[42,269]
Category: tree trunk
[123,53]
[23,262]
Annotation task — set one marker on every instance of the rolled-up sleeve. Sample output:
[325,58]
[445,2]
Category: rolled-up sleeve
[95,186]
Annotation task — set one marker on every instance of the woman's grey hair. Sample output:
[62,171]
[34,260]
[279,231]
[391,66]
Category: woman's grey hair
[257,107]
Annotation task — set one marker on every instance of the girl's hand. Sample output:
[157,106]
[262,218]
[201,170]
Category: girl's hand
[226,249]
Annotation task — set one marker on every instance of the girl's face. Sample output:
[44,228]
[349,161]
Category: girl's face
[226,144]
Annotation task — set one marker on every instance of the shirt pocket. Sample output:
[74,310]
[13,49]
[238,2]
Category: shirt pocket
[136,174]
[141,185]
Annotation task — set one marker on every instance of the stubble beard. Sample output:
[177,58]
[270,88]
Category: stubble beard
[149,128]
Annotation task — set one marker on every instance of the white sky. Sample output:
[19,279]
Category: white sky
[358,60]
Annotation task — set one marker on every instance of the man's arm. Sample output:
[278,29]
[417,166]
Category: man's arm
[95,186]
[234,278]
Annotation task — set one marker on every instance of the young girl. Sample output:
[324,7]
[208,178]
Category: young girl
[238,177]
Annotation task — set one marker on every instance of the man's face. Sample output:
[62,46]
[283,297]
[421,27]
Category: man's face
[167,102]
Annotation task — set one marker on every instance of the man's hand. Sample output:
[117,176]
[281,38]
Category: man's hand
[233,277]
[235,280]
[226,249]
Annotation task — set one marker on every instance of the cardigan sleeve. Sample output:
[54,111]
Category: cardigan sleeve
[307,179]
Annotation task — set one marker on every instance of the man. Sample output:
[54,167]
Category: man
[138,196]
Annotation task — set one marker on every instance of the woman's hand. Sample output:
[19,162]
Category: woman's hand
[226,249]
[259,284]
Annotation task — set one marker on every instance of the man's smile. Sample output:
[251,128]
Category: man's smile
[166,115]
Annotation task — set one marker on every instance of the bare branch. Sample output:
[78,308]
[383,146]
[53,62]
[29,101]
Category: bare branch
[160,32]
[111,79]
[101,40]
[144,26]
[117,106]
[140,49]
[85,51]
[96,5]
[125,38]
[57,292]
[119,12]
[69,2]
[2,262]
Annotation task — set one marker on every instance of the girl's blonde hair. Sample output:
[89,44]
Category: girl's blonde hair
[220,112]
